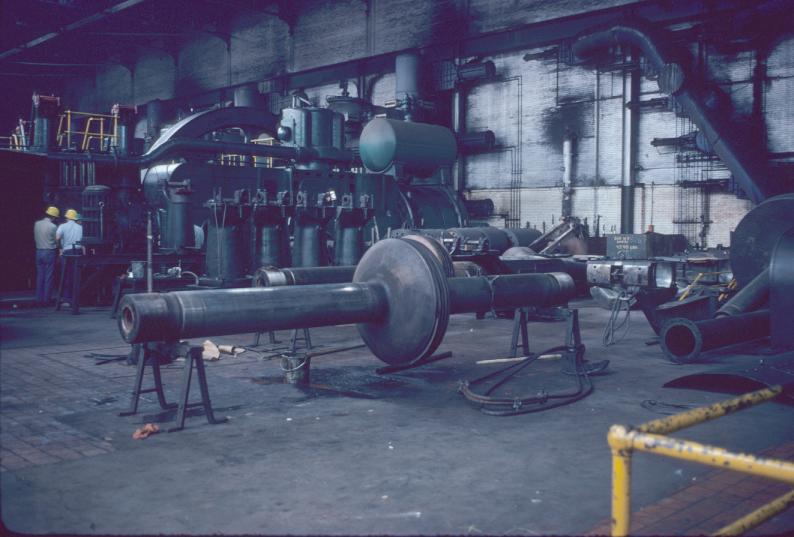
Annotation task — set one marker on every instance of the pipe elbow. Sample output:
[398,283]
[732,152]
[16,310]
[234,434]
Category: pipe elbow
[618,437]
[636,34]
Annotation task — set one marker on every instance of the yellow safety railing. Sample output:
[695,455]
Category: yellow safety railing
[12,142]
[650,438]
[235,159]
[105,128]
[268,161]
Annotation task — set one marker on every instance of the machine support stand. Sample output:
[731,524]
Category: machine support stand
[193,358]
[307,340]
[520,321]
[573,335]
[146,358]
[430,359]
[271,338]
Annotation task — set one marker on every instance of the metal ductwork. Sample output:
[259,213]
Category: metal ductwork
[676,78]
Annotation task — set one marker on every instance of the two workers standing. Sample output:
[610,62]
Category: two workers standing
[48,238]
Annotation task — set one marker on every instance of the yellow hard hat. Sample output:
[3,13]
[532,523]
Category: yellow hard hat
[53,211]
[71,214]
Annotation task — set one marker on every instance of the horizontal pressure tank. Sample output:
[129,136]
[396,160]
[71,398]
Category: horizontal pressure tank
[418,148]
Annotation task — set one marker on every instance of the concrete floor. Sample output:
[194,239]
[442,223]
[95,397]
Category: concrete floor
[357,453]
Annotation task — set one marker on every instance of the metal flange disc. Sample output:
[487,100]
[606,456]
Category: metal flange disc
[437,250]
[417,294]
[440,277]
[756,235]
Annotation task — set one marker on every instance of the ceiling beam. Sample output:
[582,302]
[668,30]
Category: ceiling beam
[80,23]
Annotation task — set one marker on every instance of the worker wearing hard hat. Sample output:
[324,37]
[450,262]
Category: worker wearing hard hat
[69,235]
[44,234]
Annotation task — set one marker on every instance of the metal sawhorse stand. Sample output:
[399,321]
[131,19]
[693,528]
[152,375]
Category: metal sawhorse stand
[150,356]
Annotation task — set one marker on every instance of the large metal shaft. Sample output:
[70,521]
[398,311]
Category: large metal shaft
[683,340]
[401,300]
[217,312]
[481,293]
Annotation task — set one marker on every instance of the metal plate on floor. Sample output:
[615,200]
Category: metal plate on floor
[742,378]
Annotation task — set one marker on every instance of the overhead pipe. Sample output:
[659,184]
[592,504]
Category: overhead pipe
[677,78]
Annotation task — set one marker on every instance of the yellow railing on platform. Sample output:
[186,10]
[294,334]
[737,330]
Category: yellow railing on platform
[234,159]
[11,142]
[100,127]
[267,161]
[650,438]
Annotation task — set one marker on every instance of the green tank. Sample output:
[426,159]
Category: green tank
[412,148]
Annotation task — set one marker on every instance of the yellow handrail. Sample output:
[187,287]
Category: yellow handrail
[13,141]
[91,120]
[265,141]
[649,437]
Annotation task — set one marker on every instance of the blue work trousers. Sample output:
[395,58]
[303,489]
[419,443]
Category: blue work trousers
[45,272]
[68,267]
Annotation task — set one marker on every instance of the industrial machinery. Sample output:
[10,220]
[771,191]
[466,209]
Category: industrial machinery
[761,258]
[233,189]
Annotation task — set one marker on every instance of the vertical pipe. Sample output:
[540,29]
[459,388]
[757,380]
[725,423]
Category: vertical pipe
[68,129]
[459,126]
[597,147]
[247,95]
[567,175]
[149,253]
[406,91]
[631,90]
[154,120]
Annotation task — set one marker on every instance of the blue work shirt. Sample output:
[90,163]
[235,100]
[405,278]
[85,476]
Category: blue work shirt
[69,233]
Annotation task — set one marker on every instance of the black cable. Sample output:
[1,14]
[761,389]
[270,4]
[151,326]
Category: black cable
[503,406]
[614,325]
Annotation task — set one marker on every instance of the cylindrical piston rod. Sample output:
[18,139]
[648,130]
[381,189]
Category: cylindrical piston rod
[401,299]
[275,277]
